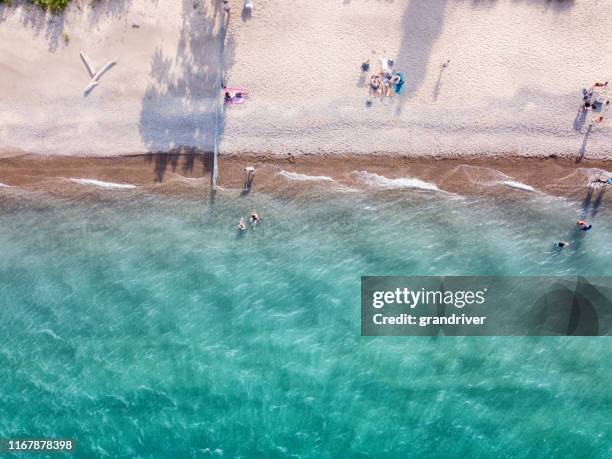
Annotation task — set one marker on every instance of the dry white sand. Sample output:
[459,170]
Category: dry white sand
[513,85]
[159,96]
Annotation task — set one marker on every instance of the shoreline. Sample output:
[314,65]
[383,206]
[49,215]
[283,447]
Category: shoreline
[188,173]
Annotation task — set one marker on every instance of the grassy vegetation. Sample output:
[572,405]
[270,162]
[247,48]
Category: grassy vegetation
[55,6]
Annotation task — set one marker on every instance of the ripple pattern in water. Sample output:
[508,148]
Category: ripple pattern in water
[152,328]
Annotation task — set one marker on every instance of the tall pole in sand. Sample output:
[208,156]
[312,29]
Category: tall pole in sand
[218,83]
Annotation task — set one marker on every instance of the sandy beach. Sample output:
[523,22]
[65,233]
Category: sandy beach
[160,95]
[512,86]
[154,308]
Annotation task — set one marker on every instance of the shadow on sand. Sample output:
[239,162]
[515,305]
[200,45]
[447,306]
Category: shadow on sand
[422,25]
[580,120]
[246,14]
[583,147]
[183,159]
[51,26]
[554,5]
[113,9]
[178,109]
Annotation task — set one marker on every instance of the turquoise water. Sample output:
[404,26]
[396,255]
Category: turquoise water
[145,326]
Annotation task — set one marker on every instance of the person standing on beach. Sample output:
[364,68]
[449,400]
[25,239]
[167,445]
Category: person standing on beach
[586,99]
[249,175]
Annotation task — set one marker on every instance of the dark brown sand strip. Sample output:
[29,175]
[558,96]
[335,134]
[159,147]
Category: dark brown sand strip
[189,173]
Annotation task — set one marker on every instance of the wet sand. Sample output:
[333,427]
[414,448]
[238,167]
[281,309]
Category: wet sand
[188,172]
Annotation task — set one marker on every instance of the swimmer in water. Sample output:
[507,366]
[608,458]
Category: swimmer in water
[562,244]
[241,225]
[254,219]
[582,225]
[607,182]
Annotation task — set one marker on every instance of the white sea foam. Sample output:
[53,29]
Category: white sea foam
[346,189]
[380,181]
[486,176]
[101,184]
[517,185]
[2,185]
[304,178]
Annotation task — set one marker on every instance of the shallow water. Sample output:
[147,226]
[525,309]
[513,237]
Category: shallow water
[147,326]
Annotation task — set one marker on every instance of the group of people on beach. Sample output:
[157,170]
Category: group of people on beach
[387,81]
[593,99]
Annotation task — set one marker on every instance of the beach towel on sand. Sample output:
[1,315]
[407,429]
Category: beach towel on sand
[239,96]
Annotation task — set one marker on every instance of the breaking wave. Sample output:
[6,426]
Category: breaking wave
[380,181]
[488,177]
[517,185]
[304,178]
[101,184]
